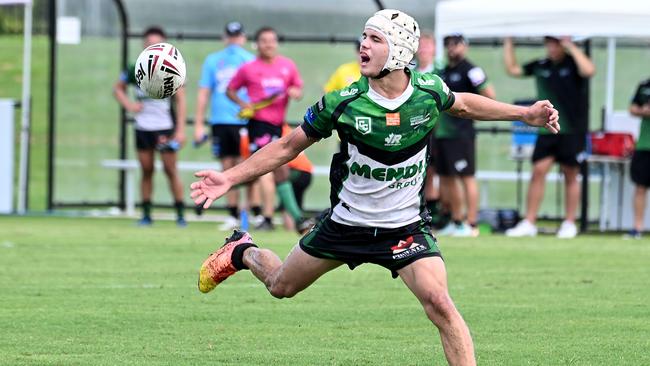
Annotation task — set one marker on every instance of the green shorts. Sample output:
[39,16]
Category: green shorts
[392,249]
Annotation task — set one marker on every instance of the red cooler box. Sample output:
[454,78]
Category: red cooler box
[617,144]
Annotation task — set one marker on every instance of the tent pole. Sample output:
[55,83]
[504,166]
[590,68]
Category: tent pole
[609,87]
[25,110]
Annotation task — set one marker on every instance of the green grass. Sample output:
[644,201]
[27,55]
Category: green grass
[87,114]
[103,292]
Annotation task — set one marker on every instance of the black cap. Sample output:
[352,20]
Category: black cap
[234,29]
[455,38]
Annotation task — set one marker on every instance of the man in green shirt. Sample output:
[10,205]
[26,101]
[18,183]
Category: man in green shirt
[561,77]
[377,210]
[640,166]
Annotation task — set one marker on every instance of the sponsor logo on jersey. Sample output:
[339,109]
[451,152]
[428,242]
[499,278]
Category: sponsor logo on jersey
[321,104]
[406,248]
[388,174]
[426,82]
[394,139]
[392,119]
[418,120]
[348,92]
[310,116]
[363,124]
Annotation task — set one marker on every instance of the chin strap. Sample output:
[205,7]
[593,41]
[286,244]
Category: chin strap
[383,73]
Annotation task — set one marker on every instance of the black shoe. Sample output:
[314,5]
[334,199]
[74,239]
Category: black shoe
[304,225]
[265,226]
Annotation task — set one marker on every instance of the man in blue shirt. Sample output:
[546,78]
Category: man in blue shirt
[218,69]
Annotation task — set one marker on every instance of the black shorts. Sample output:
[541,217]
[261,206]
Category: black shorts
[567,149]
[392,249]
[299,181]
[147,140]
[261,133]
[226,140]
[456,157]
[640,168]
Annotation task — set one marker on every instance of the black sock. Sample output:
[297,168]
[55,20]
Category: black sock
[238,255]
[146,209]
[180,209]
[232,210]
[458,222]
[268,220]
[473,225]
[256,210]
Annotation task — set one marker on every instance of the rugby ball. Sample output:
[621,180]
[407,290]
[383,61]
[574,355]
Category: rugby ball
[160,70]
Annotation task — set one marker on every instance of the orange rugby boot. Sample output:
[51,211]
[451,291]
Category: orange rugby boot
[219,264]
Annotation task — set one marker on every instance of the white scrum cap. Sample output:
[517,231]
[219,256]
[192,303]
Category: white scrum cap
[402,33]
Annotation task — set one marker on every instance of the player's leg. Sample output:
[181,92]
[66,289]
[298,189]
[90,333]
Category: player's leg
[145,143]
[536,187]
[169,159]
[230,141]
[427,279]
[267,187]
[470,186]
[281,279]
[640,175]
[639,207]
[454,199]
[572,190]
[298,271]
[285,192]
[232,197]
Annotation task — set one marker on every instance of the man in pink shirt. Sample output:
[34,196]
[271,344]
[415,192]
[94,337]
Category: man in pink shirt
[270,81]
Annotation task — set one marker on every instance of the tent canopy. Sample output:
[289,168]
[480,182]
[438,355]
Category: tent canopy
[534,18]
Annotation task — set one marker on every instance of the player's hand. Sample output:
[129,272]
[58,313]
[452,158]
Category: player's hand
[134,107]
[212,185]
[199,131]
[179,137]
[294,92]
[542,114]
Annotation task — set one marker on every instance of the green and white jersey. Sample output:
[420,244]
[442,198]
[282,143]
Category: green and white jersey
[377,179]
[156,114]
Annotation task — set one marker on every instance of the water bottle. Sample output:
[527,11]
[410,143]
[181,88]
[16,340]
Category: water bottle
[243,220]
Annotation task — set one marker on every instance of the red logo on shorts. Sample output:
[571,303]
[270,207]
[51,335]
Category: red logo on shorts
[404,245]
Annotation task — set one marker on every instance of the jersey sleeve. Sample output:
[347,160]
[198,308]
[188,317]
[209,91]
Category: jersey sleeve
[529,68]
[207,75]
[318,121]
[477,77]
[638,97]
[128,76]
[447,98]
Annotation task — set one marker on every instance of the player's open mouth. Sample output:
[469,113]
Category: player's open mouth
[364,59]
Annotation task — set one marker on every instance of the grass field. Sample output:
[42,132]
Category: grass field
[103,292]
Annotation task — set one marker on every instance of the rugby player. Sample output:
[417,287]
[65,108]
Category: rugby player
[377,211]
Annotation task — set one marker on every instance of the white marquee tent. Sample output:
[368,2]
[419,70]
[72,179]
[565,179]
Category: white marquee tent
[534,18]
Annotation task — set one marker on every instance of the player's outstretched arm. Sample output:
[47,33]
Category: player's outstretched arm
[472,106]
[213,184]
